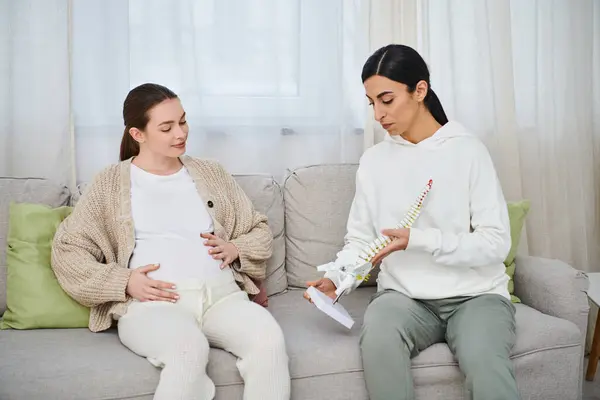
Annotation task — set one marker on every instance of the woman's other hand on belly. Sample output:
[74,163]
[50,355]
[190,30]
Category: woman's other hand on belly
[220,249]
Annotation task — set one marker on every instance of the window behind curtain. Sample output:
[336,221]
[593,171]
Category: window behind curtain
[267,85]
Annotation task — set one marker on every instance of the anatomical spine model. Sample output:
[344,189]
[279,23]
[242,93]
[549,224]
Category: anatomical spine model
[355,273]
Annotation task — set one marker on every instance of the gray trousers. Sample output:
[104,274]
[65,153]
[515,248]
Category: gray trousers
[480,332]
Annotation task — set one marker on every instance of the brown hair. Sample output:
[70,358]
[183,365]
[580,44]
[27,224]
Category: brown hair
[137,105]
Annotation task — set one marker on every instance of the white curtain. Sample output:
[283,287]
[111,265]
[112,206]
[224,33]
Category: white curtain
[267,86]
[525,75]
[34,90]
[558,113]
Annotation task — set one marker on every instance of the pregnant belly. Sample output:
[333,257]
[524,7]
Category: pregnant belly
[179,259]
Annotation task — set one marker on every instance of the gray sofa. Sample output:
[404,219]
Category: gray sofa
[307,215]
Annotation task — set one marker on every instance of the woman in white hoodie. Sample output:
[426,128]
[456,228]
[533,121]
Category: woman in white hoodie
[443,279]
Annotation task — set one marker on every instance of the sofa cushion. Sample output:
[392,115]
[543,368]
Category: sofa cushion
[79,364]
[266,196]
[22,190]
[317,204]
[34,298]
[517,212]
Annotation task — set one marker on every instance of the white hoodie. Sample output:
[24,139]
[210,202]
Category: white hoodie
[459,242]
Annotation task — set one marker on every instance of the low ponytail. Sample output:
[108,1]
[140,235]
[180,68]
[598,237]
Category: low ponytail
[129,147]
[403,64]
[136,113]
[434,105]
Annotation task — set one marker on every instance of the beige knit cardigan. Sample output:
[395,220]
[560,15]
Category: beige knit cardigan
[92,247]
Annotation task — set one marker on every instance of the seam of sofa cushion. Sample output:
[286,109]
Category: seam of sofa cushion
[564,346]
[313,166]
[349,371]
[299,377]
[513,357]
[134,396]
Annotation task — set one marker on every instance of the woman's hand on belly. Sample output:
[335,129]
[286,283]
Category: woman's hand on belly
[143,288]
[220,249]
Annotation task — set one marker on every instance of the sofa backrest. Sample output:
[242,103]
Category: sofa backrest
[317,203]
[37,191]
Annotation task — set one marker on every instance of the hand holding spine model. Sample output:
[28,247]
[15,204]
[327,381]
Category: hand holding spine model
[358,271]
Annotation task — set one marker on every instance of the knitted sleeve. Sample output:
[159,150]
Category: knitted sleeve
[78,258]
[252,236]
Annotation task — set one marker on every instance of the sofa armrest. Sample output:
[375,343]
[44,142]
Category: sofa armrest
[554,288]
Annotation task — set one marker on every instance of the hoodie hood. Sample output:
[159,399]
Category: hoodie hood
[449,131]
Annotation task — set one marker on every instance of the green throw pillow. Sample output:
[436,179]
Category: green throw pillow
[34,298]
[517,211]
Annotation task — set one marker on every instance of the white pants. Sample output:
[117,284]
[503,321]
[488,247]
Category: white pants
[176,337]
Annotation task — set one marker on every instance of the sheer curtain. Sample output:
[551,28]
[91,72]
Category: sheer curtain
[525,75]
[34,90]
[557,81]
[267,86]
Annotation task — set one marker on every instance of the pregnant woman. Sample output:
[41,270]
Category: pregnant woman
[170,247]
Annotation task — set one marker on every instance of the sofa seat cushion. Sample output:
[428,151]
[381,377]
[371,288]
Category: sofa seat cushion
[317,345]
[42,364]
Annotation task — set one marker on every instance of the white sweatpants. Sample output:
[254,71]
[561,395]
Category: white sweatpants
[176,337]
